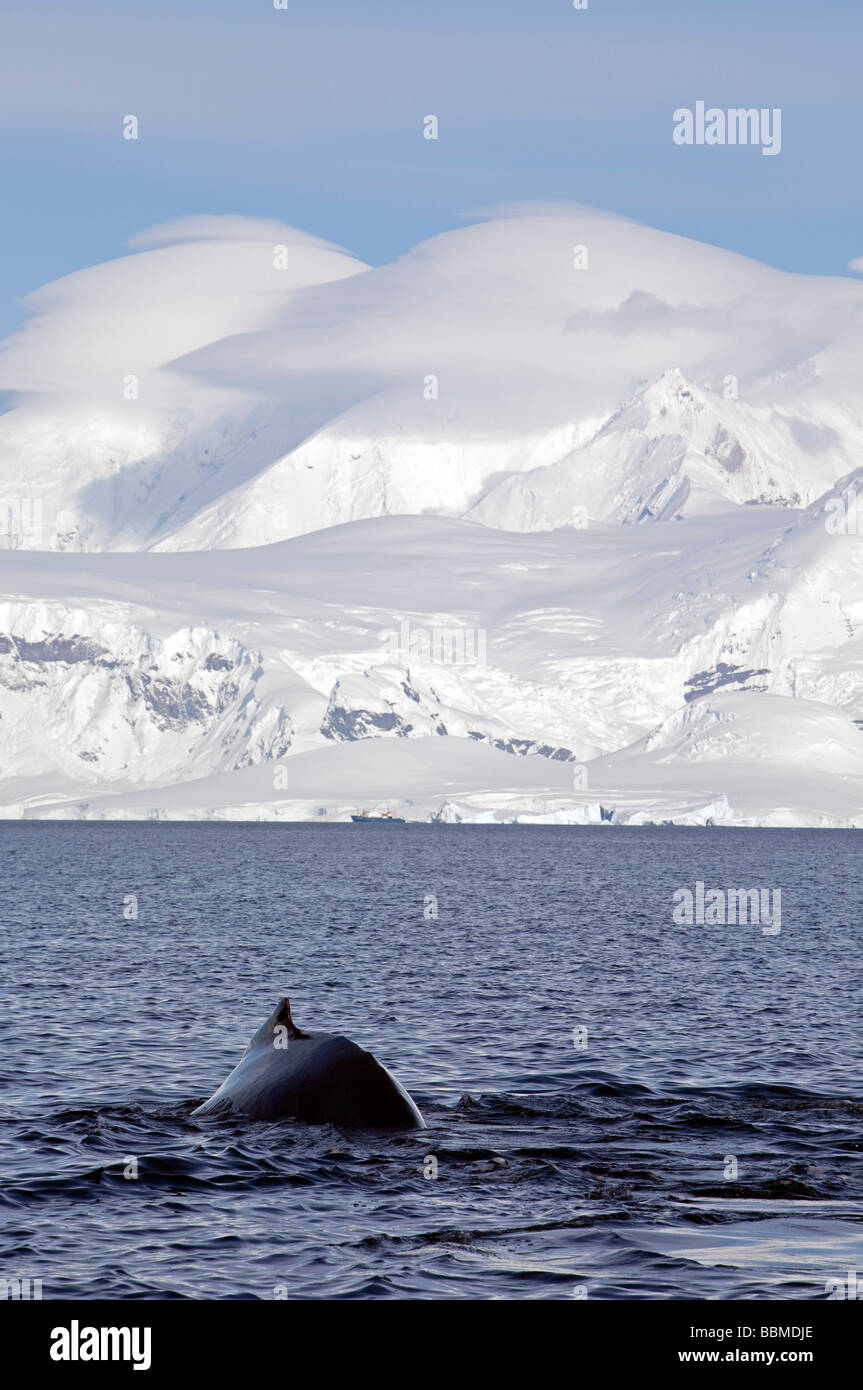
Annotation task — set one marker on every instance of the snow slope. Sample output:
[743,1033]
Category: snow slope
[700,671]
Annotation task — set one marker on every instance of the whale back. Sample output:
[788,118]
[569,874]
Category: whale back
[322,1078]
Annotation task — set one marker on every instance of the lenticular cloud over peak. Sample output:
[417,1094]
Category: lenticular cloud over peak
[199,280]
[261,383]
[224,227]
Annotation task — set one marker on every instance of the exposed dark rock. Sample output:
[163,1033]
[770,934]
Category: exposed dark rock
[346,725]
[521,747]
[723,674]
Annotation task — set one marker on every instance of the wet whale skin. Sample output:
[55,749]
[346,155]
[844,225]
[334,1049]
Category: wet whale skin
[321,1078]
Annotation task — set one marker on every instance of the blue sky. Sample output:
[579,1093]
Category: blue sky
[314,115]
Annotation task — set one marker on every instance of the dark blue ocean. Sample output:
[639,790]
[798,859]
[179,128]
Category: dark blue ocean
[703,1139]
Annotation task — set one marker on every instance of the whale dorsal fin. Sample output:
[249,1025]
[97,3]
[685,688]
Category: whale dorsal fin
[283,1017]
[279,1018]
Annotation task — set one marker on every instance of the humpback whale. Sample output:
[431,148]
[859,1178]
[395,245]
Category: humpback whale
[322,1078]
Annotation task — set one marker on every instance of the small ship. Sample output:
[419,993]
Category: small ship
[365,818]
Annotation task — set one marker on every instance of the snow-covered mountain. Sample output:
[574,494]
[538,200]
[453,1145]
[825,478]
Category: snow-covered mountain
[237,383]
[551,519]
